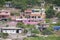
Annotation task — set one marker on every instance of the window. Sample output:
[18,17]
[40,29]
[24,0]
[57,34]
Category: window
[29,21]
[6,12]
[35,10]
[3,16]
[21,21]
[32,16]
[13,30]
[56,8]
[28,12]
[38,16]
[5,31]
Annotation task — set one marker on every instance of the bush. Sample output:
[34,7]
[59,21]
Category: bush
[20,25]
[47,20]
[58,15]
[4,35]
[35,31]
[47,32]
[43,38]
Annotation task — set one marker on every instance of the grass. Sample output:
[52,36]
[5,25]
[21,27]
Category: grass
[47,20]
[43,38]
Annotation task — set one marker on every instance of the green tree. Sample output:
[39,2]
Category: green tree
[33,2]
[35,31]
[58,15]
[21,4]
[4,35]
[2,2]
[8,0]
[20,24]
[47,32]
[49,1]
[50,12]
[57,2]
[29,26]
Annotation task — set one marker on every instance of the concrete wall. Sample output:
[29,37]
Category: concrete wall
[9,31]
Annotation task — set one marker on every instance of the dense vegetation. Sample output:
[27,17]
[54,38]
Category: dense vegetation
[24,3]
[4,35]
[50,12]
[43,38]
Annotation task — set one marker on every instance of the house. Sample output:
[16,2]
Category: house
[35,13]
[4,14]
[11,30]
[8,4]
[56,8]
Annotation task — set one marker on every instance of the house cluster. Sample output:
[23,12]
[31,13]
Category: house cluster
[29,16]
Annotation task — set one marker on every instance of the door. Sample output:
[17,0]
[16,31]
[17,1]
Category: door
[17,31]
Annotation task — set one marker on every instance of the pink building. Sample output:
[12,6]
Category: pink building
[30,21]
[4,14]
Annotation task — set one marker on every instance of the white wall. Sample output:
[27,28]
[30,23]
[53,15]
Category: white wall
[9,31]
[20,31]
[56,9]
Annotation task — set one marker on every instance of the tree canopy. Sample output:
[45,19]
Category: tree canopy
[56,2]
[4,35]
[50,12]
[2,2]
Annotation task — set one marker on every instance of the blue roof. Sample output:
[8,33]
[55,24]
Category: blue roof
[56,27]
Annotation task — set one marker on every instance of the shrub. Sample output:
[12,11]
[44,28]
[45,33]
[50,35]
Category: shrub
[35,31]
[47,32]
[4,35]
